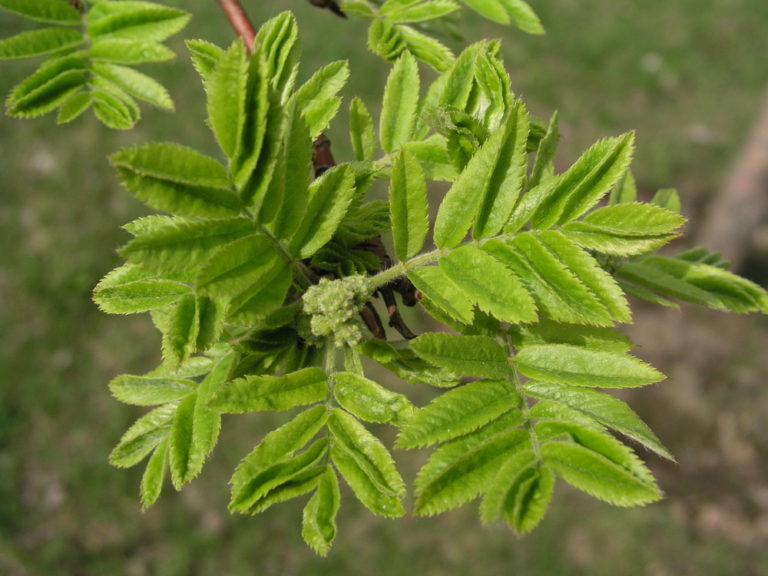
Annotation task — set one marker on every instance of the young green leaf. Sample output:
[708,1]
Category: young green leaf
[361,131]
[48,11]
[236,266]
[205,57]
[177,179]
[181,338]
[409,209]
[577,366]
[39,43]
[143,436]
[625,229]
[520,492]
[597,475]
[135,83]
[178,245]
[317,97]
[154,475]
[401,100]
[667,198]
[545,152]
[405,364]
[319,518]
[469,355]
[458,412]
[491,9]
[134,20]
[489,284]
[559,293]
[551,332]
[116,51]
[427,49]
[368,400]
[329,199]
[589,272]
[279,39]
[278,446]
[523,16]
[366,465]
[586,182]
[624,191]
[451,477]
[138,296]
[404,12]
[506,180]
[49,87]
[227,89]
[74,106]
[433,282]
[195,427]
[150,390]
[606,409]
[113,107]
[255,393]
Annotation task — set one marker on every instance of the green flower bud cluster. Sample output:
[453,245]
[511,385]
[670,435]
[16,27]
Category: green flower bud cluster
[332,307]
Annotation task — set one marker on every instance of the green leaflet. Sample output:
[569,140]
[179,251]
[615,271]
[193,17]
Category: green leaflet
[488,283]
[150,390]
[606,409]
[598,475]
[205,57]
[550,332]
[625,229]
[127,295]
[667,198]
[319,517]
[523,16]
[401,100]
[279,39]
[589,272]
[261,298]
[317,96]
[386,40]
[697,283]
[406,365]
[154,475]
[506,180]
[180,340]
[520,492]
[577,366]
[172,245]
[74,106]
[329,199]
[48,11]
[559,292]
[113,107]
[491,180]
[177,179]
[366,465]
[491,9]
[404,12]
[625,190]
[469,355]
[361,131]
[48,87]
[454,475]
[458,412]
[236,266]
[427,49]
[409,207]
[278,446]
[289,188]
[586,182]
[226,88]
[283,480]
[143,436]
[434,283]
[135,20]
[39,43]
[545,152]
[135,83]
[254,393]
[433,157]
[117,51]
[369,401]
[196,428]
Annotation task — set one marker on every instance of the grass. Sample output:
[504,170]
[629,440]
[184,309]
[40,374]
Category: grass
[689,79]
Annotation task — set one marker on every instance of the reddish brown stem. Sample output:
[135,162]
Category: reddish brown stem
[240,21]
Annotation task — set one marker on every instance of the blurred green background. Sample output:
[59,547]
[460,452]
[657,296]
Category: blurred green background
[688,75]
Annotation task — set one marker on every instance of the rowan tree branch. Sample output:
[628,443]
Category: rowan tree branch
[240,21]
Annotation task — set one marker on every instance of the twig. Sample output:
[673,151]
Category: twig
[331,5]
[240,21]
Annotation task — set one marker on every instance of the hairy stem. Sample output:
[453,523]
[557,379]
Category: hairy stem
[239,21]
